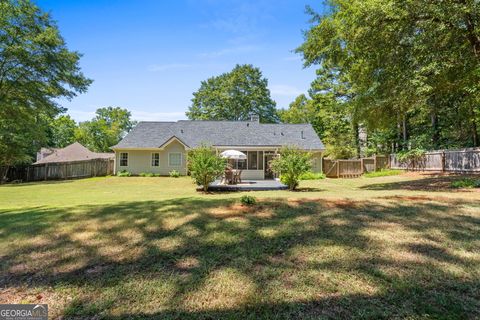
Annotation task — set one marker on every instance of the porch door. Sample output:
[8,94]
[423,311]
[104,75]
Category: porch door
[268,171]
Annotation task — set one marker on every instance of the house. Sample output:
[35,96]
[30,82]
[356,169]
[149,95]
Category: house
[71,153]
[160,147]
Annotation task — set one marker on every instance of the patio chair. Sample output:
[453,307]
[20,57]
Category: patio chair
[238,176]
[228,177]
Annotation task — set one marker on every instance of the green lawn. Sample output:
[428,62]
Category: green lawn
[404,246]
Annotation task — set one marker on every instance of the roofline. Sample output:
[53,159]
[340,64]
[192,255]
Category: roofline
[170,140]
[82,160]
[234,121]
[224,147]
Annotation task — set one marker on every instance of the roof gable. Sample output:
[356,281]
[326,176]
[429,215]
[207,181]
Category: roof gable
[172,139]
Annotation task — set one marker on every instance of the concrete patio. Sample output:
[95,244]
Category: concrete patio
[248,185]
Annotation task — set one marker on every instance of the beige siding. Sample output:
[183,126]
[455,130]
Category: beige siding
[253,175]
[317,162]
[141,160]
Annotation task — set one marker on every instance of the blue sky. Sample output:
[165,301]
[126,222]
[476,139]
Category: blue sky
[150,56]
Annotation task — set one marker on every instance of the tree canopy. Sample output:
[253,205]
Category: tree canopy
[106,129]
[406,73]
[62,131]
[36,69]
[234,95]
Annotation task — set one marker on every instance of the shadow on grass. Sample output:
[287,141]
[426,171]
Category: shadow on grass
[211,258]
[429,183]
[36,183]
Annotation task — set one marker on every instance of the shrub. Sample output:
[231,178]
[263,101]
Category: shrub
[413,158]
[124,173]
[383,173]
[466,183]
[157,175]
[291,164]
[248,200]
[174,174]
[312,176]
[205,165]
[146,174]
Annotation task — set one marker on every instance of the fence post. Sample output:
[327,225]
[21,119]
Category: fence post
[338,168]
[443,160]
[46,170]
[375,163]
[362,165]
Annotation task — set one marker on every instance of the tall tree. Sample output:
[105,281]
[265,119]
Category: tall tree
[62,131]
[234,95]
[36,69]
[410,66]
[299,111]
[105,130]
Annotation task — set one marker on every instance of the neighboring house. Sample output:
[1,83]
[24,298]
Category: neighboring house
[73,152]
[44,152]
[160,147]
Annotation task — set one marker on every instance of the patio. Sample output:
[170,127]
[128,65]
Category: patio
[248,185]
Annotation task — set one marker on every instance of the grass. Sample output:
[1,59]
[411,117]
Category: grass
[146,248]
[383,173]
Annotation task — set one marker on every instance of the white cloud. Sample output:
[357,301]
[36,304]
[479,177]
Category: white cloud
[285,90]
[170,66]
[242,17]
[228,51]
[140,115]
[79,115]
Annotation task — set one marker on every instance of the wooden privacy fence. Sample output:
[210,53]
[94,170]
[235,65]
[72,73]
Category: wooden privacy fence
[464,160]
[352,168]
[62,170]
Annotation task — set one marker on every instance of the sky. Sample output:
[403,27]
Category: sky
[149,56]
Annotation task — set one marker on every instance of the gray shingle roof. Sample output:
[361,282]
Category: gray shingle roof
[221,133]
[73,152]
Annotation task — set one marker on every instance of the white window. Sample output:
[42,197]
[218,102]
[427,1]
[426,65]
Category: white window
[155,159]
[175,159]
[123,159]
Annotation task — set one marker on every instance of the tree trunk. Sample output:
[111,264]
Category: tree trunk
[435,130]
[472,36]
[404,132]
[356,137]
[205,185]
[3,174]
[398,143]
[474,127]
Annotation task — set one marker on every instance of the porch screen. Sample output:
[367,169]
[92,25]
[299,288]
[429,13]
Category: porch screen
[252,160]
[242,164]
[260,160]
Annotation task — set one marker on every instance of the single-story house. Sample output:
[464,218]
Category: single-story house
[71,153]
[160,147]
